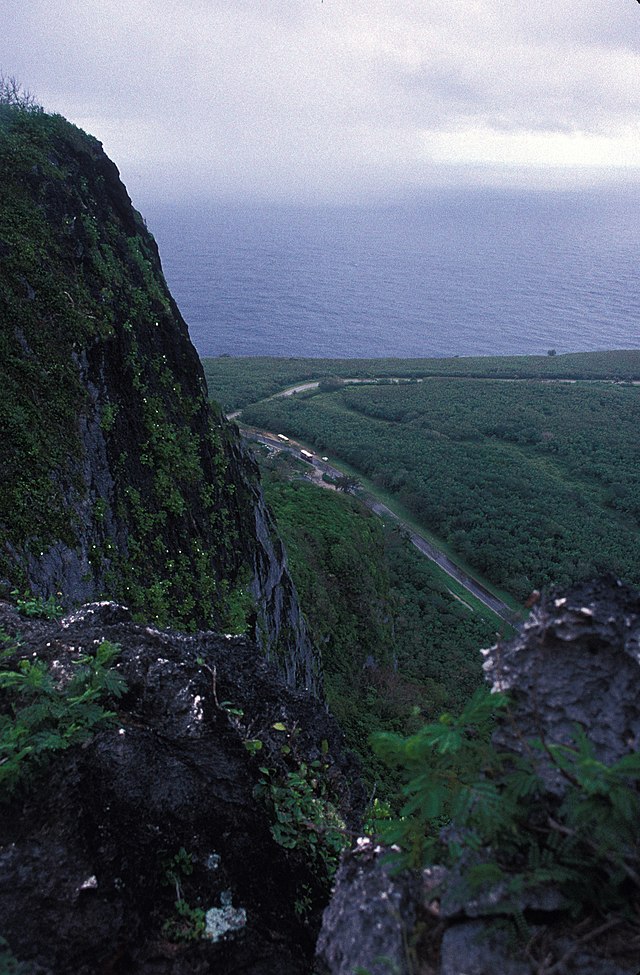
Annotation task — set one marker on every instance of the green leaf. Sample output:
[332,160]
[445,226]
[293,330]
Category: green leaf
[253,745]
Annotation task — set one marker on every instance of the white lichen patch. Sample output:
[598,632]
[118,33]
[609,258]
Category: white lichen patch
[197,711]
[225,920]
[85,612]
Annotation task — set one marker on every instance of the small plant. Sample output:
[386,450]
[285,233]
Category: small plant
[38,606]
[179,866]
[42,715]
[108,417]
[377,816]
[188,923]
[238,606]
[305,818]
[303,902]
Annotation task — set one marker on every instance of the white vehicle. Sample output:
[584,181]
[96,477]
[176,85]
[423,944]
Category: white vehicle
[281,436]
[306,454]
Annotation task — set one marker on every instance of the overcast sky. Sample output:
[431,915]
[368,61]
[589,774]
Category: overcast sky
[320,99]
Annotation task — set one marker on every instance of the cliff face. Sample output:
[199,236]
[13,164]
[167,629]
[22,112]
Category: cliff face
[117,477]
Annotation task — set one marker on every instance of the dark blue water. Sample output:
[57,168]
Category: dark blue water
[474,273]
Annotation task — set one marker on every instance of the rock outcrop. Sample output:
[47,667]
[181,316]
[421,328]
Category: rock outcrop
[117,478]
[161,806]
[575,662]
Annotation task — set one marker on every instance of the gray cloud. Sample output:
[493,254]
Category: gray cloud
[311,98]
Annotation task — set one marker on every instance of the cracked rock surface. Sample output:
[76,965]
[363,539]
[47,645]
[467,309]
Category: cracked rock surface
[86,848]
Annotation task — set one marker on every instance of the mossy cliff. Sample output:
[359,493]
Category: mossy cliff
[117,478]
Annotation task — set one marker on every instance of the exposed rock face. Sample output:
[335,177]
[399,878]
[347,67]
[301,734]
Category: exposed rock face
[281,630]
[577,660]
[90,853]
[366,924]
[117,478]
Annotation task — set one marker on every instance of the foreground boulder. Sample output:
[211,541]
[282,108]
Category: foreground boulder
[115,855]
[575,664]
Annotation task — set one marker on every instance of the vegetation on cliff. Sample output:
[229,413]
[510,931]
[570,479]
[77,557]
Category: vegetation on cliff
[397,646]
[116,476]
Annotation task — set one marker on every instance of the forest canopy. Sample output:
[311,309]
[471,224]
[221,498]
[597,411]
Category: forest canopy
[533,483]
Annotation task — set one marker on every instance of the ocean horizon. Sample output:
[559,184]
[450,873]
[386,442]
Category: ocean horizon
[482,272]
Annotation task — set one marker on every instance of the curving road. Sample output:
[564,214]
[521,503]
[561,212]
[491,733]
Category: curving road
[424,546]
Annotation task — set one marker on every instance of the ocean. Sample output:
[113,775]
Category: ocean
[481,272]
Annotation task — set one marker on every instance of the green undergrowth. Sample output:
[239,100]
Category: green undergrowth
[44,711]
[304,815]
[38,606]
[471,804]
[396,645]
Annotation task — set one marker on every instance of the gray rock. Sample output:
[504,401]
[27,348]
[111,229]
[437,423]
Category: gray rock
[86,882]
[480,948]
[369,922]
[575,662]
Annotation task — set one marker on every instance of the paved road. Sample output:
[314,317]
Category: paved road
[427,548]
[314,383]
[471,585]
[421,543]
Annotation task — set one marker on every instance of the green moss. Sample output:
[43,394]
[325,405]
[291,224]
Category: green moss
[83,300]
[239,606]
